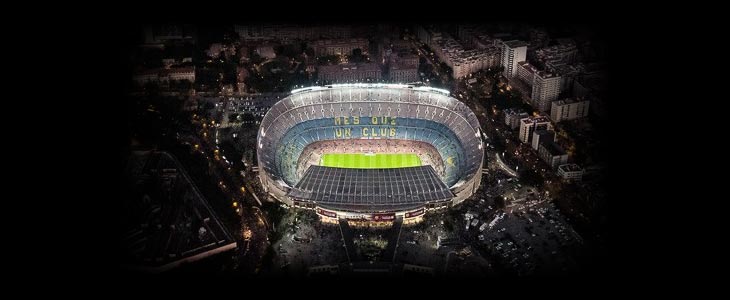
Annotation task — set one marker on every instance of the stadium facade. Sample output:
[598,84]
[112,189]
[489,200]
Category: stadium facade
[370,119]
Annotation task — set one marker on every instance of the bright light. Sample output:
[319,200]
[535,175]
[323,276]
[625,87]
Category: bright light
[430,89]
[235,204]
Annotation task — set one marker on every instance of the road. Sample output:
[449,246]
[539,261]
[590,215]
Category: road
[441,79]
[504,166]
[230,182]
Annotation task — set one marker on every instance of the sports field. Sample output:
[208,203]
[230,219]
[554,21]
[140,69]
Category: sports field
[370,161]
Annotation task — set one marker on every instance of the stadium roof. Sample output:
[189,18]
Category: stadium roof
[371,190]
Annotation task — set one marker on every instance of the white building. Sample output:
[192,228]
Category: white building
[522,80]
[512,117]
[214,50]
[464,62]
[145,76]
[288,32]
[428,36]
[165,75]
[350,72]
[530,124]
[512,53]
[403,73]
[567,73]
[542,136]
[565,52]
[570,172]
[340,46]
[524,72]
[541,87]
[552,154]
[179,74]
[568,109]
[266,51]
[545,89]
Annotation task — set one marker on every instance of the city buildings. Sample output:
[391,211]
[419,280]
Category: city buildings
[542,136]
[401,72]
[339,46]
[283,118]
[464,62]
[350,72]
[266,51]
[214,50]
[428,35]
[255,104]
[159,34]
[288,32]
[165,75]
[512,117]
[169,62]
[565,52]
[591,86]
[523,78]
[545,89]
[482,53]
[568,109]
[541,87]
[570,172]
[531,124]
[567,73]
[552,154]
[513,52]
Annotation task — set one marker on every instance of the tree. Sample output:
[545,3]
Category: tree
[151,88]
[530,177]
[309,51]
[247,119]
[357,55]
[186,85]
[500,202]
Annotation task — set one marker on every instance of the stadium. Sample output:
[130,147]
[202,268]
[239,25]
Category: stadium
[370,153]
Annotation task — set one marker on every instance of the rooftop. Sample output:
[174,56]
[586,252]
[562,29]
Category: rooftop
[371,189]
[570,168]
[553,148]
[567,101]
[531,119]
[515,43]
[350,67]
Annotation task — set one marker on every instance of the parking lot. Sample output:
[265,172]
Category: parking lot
[305,243]
[420,245]
[532,239]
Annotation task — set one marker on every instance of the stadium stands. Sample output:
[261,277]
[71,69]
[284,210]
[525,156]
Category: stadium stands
[377,118]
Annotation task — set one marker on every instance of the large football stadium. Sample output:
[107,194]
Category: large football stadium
[370,152]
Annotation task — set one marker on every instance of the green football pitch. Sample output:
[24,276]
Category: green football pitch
[370,161]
